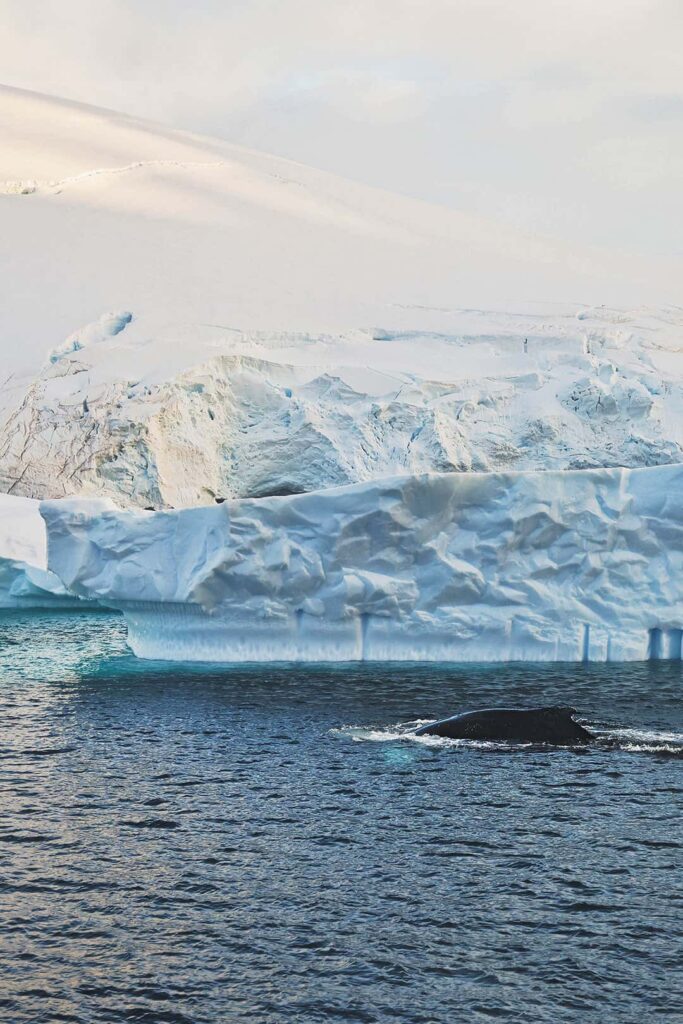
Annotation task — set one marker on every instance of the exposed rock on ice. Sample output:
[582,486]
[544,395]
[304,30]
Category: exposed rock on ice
[24,579]
[169,416]
[575,565]
[18,188]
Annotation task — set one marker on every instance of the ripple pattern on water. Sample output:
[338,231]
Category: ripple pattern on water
[209,845]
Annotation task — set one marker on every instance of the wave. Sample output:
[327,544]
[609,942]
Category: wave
[647,741]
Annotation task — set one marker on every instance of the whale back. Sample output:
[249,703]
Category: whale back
[554,724]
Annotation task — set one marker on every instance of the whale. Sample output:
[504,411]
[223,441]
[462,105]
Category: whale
[553,725]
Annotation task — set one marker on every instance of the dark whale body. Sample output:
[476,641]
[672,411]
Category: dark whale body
[554,725]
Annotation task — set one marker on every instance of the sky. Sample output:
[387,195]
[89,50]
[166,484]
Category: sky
[564,117]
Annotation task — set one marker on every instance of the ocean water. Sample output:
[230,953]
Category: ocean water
[202,845]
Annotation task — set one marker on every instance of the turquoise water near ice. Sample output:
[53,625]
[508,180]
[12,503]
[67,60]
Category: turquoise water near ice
[211,844]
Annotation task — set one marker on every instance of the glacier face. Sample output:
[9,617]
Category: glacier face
[573,565]
[159,416]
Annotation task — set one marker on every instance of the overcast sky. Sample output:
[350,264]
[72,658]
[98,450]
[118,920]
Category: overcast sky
[563,116]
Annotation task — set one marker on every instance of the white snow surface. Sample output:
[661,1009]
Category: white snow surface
[574,565]
[102,212]
[24,579]
[158,416]
[185,320]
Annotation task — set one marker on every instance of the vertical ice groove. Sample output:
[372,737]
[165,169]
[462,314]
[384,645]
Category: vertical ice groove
[364,625]
[585,650]
[655,651]
[675,638]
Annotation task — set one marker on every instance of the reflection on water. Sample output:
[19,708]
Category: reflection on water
[214,844]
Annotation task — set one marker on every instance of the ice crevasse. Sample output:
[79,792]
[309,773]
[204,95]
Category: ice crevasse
[538,566]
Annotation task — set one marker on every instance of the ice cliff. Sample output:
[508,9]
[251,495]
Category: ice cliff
[154,415]
[574,565]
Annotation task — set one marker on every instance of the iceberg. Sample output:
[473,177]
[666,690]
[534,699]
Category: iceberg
[579,565]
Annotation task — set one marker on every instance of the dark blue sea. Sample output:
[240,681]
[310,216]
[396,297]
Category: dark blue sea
[267,844]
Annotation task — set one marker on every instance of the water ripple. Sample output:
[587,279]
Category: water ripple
[206,845]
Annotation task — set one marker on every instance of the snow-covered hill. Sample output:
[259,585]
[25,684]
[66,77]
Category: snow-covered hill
[101,212]
[253,326]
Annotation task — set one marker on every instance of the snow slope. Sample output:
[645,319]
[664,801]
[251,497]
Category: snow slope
[186,320]
[182,417]
[24,579]
[576,565]
[101,212]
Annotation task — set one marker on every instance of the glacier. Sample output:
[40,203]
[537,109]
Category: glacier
[533,566]
[344,396]
[166,416]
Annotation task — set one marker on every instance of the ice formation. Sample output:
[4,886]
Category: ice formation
[25,581]
[305,350]
[107,326]
[212,413]
[573,565]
